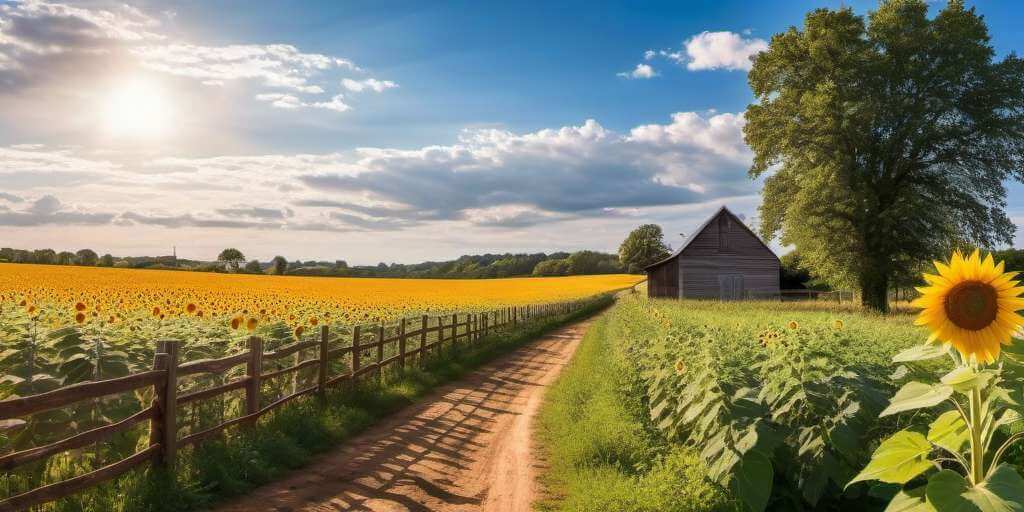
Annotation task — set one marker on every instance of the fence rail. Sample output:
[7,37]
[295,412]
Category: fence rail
[368,349]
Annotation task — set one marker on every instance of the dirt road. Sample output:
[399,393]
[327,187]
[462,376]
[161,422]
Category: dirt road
[466,447]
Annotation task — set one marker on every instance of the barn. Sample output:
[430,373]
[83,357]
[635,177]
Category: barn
[723,259]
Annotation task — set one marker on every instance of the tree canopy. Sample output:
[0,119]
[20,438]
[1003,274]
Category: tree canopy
[886,141]
[644,245]
[232,257]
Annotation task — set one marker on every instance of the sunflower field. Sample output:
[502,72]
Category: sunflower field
[65,325]
[774,404]
[61,325]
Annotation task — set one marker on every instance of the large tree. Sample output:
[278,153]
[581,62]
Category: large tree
[232,258]
[886,140]
[643,246]
[87,257]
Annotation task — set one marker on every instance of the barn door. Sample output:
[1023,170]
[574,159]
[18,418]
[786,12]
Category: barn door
[730,287]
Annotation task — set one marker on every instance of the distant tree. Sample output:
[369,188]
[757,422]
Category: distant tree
[278,265]
[1013,258]
[644,245]
[44,256]
[585,262]
[232,258]
[885,141]
[87,257]
[552,268]
[7,254]
[65,258]
[341,264]
[253,267]
[23,256]
[106,261]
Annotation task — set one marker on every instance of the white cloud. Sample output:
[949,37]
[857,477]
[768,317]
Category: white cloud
[720,50]
[290,101]
[641,71]
[277,65]
[370,83]
[41,43]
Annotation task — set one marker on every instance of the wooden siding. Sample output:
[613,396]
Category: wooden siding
[724,260]
[663,280]
[727,247]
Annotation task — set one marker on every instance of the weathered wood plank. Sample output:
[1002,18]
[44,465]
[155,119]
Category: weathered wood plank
[212,365]
[13,460]
[289,349]
[72,485]
[212,392]
[277,373]
[24,406]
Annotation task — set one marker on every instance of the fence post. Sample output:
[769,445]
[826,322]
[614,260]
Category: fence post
[455,329]
[401,343]
[423,337]
[380,352]
[254,370]
[355,352]
[321,376]
[163,428]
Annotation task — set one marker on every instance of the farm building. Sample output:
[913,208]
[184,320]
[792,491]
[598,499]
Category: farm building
[722,259]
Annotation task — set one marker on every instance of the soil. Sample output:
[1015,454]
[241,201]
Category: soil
[465,447]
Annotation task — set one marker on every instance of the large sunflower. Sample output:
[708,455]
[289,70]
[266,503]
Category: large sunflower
[972,304]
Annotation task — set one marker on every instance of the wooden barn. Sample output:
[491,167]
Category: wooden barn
[723,259]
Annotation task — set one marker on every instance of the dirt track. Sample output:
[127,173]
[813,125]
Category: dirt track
[465,447]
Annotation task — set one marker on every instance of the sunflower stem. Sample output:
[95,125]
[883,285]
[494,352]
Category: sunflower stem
[977,451]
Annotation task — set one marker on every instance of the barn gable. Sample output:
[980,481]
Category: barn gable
[722,259]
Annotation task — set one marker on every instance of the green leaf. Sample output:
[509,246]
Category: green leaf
[915,395]
[949,431]
[912,500]
[920,353]
[1003,491]
[965,378]
[898,459]
[752,480]
[945,492]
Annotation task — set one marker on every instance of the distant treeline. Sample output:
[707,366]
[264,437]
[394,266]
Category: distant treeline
[470,266]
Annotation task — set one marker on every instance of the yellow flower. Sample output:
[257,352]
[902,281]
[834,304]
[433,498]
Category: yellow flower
[251,324]
[793,325]
[972,304]
[837,324]
[680,367]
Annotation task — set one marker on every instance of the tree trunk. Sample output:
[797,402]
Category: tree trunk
[874,287]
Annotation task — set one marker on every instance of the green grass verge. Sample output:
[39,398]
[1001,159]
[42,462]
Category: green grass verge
[287,438]
[603,454]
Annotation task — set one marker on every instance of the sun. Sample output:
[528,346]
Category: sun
[137,109]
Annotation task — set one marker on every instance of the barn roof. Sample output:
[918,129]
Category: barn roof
[693,236]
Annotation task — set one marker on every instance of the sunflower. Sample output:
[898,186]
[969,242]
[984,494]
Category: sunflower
[793,324]
[837,324]
[972,304]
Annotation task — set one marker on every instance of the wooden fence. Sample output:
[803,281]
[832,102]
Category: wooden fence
[409,340]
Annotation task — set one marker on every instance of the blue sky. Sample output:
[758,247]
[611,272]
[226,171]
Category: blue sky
[395,131]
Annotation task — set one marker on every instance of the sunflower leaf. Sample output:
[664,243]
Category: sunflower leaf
[921,353]
[916,395]
[898,459]
[949,431]
[965,378]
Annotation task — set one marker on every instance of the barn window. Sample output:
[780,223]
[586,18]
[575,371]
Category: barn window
[724,228]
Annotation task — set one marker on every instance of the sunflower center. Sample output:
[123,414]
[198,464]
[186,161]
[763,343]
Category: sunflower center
[972,305]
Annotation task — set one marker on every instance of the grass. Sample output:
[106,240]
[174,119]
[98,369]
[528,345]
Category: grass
[290,436]
[602,454]
[604,451]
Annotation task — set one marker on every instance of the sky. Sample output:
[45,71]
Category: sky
[379,130]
